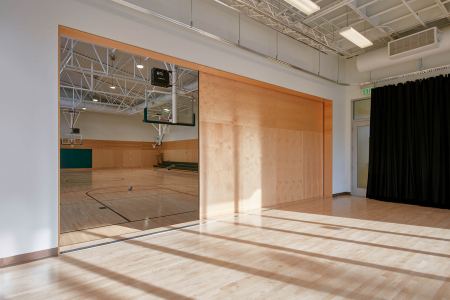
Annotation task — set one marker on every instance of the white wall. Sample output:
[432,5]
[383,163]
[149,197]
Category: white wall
[29,114]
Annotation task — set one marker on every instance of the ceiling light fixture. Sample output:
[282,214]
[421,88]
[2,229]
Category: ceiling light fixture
[355,37]
[139,66]
[306,6]
[112,86]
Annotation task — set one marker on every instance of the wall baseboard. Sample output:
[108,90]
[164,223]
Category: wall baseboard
[341,194]
[27,257]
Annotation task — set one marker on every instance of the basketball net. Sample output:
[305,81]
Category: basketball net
[154,145]
[71,143]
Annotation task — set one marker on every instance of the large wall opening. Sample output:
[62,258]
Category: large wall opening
[120,175]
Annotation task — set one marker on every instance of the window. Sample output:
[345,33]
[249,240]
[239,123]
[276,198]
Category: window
[361,109]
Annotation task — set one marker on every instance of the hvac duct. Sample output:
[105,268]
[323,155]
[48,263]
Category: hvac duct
[378,59]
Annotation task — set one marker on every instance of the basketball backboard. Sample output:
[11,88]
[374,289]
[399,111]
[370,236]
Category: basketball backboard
[158,109]
[71,139]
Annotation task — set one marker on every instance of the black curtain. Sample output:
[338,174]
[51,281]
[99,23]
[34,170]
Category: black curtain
[409,157]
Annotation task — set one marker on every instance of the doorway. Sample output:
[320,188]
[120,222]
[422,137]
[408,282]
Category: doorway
[360,146]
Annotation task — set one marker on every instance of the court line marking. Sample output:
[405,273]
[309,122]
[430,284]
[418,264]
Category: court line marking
[108,207]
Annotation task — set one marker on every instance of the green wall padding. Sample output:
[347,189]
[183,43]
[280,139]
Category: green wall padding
[76,158]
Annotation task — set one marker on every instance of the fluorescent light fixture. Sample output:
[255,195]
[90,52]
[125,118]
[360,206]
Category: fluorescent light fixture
[112,87]
[95,100]
[166,109]
[84,108]
[355,37]
[306,6]
[140,66]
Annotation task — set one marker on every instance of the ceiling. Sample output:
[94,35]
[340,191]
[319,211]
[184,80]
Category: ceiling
[87,72]
[378,20]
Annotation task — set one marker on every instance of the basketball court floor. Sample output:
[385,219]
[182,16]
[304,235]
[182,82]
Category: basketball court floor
[350,247]
[99,204]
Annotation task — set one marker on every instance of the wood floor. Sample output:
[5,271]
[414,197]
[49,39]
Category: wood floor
[98,204]
[344,248]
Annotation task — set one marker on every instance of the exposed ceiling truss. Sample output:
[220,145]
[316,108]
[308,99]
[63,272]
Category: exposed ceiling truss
[91,72]
[379,20]
[287,20]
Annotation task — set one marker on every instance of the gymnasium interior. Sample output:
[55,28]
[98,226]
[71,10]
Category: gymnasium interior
[225,149]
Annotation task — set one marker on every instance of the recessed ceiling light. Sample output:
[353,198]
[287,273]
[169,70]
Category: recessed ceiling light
[306,6]
[139,66]
[355,37]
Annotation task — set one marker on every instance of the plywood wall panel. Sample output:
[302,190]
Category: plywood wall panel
[289,166]
[295,113]
[118,158]
[258,147]
[175,155]
[192,155]
[112,145]
[184,150]
[97,158]
[179,145]
[313,164]
[228,101]
[212,162]
[108,160]
[259,165]
[232,172]
[149,158]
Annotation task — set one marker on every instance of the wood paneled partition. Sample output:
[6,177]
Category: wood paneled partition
[260,147]
[184,150]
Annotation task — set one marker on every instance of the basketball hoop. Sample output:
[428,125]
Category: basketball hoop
[155,144]
[72,140]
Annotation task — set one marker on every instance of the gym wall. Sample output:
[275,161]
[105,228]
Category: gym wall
[121,141]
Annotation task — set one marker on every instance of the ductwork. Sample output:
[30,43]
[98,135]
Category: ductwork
[378,59]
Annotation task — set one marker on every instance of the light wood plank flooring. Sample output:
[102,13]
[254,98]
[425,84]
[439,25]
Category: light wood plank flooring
[98,204]
[344,248]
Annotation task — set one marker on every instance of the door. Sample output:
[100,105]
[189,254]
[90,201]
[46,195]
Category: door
[360,157]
